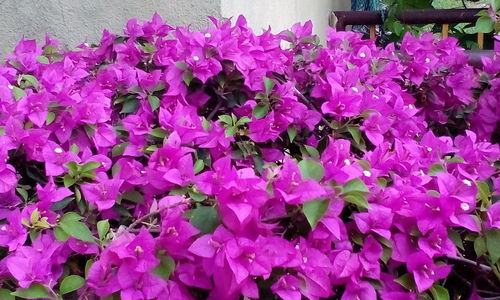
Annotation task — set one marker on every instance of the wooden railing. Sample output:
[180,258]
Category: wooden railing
[341,19]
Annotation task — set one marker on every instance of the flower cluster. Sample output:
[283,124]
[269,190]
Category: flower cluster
[167,163]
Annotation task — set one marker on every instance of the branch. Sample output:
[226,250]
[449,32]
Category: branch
[469,262]
[155,213]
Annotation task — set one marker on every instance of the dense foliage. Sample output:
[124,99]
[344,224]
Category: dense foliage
[168,163]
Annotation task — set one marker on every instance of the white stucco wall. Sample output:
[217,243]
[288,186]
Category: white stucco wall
[282,14]
[74,21]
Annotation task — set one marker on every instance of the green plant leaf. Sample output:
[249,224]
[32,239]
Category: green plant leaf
[159,133]
[187,77]
[133,196]
[18,92]
[5,294]
[165,268]
[407,281]
[483,192]
[480,246]
[492,237]
[71,283]
[50,118]
[314,210]
[35,291]
[484,24]
[310,169]
[260,110]
[91,165]
[31,80]
[292,133]
[439,293]
[205,218]
[119,149]
[60,234]
[354,185]
[154,102]
[68,180]
[130,106]
[149,48]
[357,198]
[199,165]
[436,168]
[102,228]
[355,133]
[269,85]
[75,228]
[88,264]
[43,60]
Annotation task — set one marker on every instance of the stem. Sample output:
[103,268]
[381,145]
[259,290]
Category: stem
[469,262]
[155,213]
[214,111]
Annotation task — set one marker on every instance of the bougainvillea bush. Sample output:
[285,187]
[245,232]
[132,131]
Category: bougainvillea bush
[168,163]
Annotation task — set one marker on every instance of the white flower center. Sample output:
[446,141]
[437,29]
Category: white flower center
[3,228]
[196,58]
[362,55]
[58,150]
[427,60]
[367,173]
[10,86]
[411,106]
[208,35]
[355,89]
[464,206]
[347,162]
[429,149]
[376,97]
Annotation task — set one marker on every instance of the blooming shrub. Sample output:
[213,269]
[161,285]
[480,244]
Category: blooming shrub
[168,163]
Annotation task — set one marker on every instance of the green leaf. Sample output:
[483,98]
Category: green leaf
[407,281]
[355,133]
[455,159]
[205,218]
[35,291]
[197,196]
[159,133]
[71,283]
[483,191]
[292,133]
[23,193]
[18,92]
[313,152]
[357,198]
[269,85]
[226,119]
[206,124]
[354,185]
[50,118]
[154,102]
[260,110]
[76,229]
[231,131]
[439,293]
[43,60]
[484,24]
[119,149]
[91,165]
[243,121]
[314,210]
[133,196]
[187,77]
[496,5]
[88,264]
[310,169]
[31,80]
[5,295]
[165,268]
[456,239]
[436,168]
[60,235]
[72,217]
[102,228]
[130,106]
[149,48]
[480,246]
[72,168]
[199,165]
[68,180]
[493,244]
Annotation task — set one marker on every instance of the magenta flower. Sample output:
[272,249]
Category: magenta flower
[51,193]
[425,271]
[102,194]
[13,234]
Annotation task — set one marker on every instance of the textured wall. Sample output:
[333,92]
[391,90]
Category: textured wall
[282,14]
[74,21]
